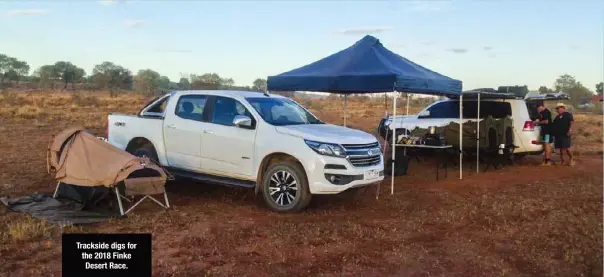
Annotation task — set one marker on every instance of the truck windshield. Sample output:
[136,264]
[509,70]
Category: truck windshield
[282,111]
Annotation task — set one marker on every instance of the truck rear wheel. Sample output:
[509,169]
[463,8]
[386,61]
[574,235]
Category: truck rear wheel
[146,150]
[285,187]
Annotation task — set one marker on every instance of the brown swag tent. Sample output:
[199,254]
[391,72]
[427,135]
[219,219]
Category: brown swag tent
[80,159]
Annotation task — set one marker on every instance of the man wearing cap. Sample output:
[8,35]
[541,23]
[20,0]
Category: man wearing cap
[563,124]
[545,120]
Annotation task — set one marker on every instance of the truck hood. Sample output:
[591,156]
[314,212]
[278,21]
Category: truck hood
[327,133]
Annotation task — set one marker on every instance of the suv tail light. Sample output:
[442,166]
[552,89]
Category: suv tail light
[528,126]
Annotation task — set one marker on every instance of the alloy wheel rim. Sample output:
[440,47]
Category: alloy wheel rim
[283,188]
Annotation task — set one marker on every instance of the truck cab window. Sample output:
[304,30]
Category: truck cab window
[225,110]
[159,107]
[191,107]
[282,111]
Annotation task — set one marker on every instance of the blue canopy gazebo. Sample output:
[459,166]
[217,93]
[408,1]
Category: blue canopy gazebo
[368,67]
[365,67]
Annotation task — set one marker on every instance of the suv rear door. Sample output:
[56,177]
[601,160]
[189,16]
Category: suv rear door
[533,99]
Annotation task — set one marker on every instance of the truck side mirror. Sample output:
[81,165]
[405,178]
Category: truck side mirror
[242,121]
[424,113]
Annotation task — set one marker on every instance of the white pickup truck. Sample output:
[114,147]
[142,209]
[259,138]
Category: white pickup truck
[440,113]
[250,139]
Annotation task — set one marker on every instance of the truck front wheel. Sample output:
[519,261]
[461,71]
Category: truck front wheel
[285,187]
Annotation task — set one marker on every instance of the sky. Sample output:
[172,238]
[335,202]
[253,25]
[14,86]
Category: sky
[482,43]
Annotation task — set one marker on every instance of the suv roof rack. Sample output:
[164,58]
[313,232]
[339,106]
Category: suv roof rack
[485,93]
[546,96]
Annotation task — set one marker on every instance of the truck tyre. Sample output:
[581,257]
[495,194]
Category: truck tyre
[146,150]
[285,187]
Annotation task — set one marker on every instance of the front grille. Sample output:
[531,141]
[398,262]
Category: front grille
[363,155]
[363,161]
[360,146]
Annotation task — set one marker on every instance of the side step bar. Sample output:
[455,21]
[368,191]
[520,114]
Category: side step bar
[219,180]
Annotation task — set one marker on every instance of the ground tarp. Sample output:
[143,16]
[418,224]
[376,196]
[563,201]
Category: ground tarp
[365,67]
[56,211]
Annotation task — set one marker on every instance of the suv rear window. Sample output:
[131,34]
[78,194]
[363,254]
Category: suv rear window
[532,109]
[447,109]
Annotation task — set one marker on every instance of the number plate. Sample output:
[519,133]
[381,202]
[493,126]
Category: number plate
[372,174]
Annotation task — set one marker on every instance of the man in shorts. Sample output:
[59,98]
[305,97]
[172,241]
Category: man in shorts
[563,124]
[545,120]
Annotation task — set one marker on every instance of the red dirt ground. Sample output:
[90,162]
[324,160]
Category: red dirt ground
[523,220]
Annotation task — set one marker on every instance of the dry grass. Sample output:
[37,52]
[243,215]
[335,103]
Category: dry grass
[30,112]
[26,229]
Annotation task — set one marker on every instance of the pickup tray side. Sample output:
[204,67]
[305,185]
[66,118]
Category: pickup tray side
[219,180]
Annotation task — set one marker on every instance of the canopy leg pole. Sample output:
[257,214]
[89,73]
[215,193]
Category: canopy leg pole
[386,103]
[478,135]
[406,113]
[408,98]
[119,201]
[394,138]
[54,195]
[377,195]
[460,137]
[345,108]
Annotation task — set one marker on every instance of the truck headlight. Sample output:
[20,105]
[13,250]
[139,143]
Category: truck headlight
[327,149]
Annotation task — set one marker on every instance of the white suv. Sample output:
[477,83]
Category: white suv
[250,139]
[441,113]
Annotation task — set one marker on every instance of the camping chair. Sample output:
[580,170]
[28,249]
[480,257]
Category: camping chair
[142,186]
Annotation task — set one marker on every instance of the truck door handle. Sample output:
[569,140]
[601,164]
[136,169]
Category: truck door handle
[208,132]
[171,126]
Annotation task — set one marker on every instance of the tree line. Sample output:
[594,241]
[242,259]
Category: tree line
[577,92]
[115,78]
[111,77]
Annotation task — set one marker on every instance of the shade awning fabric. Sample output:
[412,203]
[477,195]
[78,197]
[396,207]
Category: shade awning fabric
[365,67]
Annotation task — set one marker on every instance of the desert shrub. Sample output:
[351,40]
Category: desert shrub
[85,100]
[362,98]
[307,103]
[8,97]
[39,101]
[56,100]
[28,229]
[29,112]
[597,108]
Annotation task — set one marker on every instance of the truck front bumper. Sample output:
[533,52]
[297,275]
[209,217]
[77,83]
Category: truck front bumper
[330,175]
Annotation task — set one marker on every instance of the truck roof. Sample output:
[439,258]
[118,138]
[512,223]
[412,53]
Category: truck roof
[230,93]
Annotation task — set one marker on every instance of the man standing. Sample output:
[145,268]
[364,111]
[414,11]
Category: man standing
[545,120]
[563,125]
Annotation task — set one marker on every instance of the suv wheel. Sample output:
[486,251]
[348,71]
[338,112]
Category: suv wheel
[285,187]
